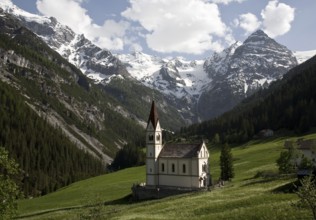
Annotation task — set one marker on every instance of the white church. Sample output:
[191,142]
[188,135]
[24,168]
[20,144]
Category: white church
[174,164]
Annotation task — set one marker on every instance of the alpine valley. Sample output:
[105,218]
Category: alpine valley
[68,106]
[186,91]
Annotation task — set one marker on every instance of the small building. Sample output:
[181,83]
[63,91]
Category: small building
[174,165]
[306,150]
[266,133]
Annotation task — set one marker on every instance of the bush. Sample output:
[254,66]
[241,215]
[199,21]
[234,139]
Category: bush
[307,194]
[9,190]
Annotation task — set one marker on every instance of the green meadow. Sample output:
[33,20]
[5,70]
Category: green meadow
[256,192]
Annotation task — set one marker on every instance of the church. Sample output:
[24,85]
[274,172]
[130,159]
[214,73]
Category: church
[176,165]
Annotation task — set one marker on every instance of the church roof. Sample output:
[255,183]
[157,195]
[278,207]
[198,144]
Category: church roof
[180,150]
[153,116]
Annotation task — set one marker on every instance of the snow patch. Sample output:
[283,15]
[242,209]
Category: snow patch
[302,56]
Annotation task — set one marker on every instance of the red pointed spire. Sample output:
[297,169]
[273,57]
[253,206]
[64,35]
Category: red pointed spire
[153,116]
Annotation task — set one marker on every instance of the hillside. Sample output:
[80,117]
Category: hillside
[47,158]
[55,95]
[99,65]
[248,196]
[288,104]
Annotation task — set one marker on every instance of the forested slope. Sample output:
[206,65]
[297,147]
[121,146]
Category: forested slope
[48,160]
[76,116]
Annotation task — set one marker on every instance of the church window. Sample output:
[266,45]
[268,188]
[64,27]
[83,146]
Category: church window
[162,167]
[158,137]
[204,167]
[151,137]
[173,168]
[183,168]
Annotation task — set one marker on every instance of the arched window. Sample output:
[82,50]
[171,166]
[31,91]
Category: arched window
[204,167]
[173,168]
[162,167]
[158,137]
[150,137]
[183,168]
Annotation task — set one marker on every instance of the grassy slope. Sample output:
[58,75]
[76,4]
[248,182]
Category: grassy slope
[245,197]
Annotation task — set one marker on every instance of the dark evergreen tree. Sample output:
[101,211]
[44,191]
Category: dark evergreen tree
[226,163]
[128,156]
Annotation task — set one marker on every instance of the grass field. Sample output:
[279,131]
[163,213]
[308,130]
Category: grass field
[246,197]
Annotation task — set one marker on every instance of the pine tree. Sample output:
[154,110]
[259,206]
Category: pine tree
[216,139]
[226,163]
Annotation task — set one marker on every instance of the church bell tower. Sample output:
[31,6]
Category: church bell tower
[153,146]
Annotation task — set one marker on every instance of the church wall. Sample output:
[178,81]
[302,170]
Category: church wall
[176,166]
[150,180]
[177,180]
[150,151]
[150,166]
[185,173]
[153,149]
[194,167]
[173,166]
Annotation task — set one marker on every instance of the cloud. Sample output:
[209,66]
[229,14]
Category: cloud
[249,22]
[135,47]
[226,2]
[183,26]
[277,18]
[109,35]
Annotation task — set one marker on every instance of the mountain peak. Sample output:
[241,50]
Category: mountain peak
[259,32]
[258,36]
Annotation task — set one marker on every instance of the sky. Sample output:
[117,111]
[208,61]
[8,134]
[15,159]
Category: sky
[193,29]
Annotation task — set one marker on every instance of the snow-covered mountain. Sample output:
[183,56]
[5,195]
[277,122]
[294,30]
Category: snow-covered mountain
[205,88]
[241,70]
[302,56]
[176,76]
[96,63]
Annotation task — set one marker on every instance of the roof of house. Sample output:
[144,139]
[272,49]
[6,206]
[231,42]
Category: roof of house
[180,150]
[301,144]
[153,116]
[306,144]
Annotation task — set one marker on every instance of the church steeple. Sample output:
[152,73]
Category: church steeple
[153,146]
[153,116]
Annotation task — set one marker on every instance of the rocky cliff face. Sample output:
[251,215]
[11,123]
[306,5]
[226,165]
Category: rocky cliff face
[98,64]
